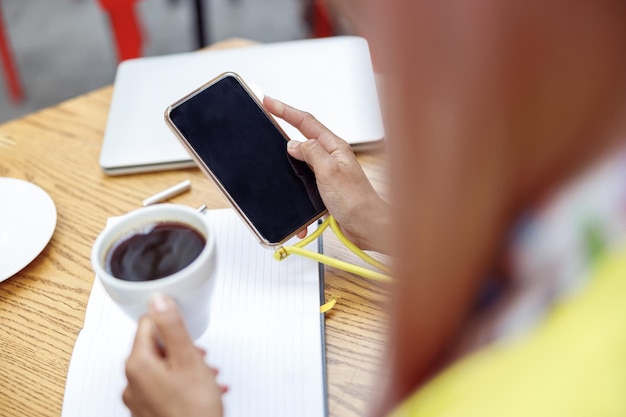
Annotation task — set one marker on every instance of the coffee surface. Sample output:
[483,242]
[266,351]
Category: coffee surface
[161,250]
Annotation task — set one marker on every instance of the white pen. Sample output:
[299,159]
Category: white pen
[169,193]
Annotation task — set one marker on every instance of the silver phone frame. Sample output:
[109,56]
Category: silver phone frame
[207,171]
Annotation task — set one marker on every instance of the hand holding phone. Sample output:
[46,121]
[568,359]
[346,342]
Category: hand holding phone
[364,216]
[241,147]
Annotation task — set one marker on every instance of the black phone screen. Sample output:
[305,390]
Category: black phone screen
[248,155]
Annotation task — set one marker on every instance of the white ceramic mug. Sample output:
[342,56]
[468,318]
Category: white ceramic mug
[190,288]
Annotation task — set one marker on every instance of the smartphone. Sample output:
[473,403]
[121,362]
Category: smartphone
[239,145]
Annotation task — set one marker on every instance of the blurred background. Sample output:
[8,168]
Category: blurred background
[64,48]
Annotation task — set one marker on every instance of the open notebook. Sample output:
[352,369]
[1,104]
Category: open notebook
[266,335]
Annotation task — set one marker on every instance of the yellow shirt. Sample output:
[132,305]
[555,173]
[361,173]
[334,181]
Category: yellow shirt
[573,364]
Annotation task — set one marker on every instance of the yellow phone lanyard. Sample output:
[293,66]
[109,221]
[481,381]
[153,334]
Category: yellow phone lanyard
[283,251]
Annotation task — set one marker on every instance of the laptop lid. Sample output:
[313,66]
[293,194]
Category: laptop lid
[332,78]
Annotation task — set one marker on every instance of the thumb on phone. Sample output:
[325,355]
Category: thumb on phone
[310,152]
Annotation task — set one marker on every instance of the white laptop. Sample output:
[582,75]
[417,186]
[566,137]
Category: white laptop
[332,78]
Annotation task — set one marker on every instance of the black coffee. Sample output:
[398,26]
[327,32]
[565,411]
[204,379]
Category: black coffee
[162,250]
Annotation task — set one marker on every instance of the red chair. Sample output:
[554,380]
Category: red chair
[318,19]
[322,26]
[126,28]
[6,55]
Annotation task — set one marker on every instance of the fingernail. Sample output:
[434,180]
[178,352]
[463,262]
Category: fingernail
[160,303]
[279,107]
[293,144]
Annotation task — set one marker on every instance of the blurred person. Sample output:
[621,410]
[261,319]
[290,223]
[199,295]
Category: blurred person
[489,106]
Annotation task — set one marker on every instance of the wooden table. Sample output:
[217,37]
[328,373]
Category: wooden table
[42,307]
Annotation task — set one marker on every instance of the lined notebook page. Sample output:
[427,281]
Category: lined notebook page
[265,335]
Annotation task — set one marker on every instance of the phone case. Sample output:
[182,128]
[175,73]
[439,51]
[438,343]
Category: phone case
[207,171]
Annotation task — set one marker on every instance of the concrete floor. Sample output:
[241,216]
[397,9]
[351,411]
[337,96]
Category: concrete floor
[64,48]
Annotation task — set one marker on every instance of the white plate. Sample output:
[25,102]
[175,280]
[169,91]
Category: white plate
[27,220]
